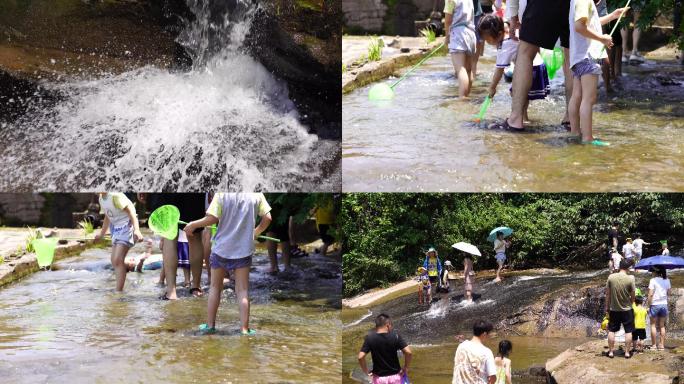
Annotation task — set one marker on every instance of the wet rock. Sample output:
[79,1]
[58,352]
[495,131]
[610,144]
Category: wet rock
[589,366]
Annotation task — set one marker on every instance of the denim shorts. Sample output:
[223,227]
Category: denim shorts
[587,67]
[122,235]
[500,258]
[216,261]
[658,310]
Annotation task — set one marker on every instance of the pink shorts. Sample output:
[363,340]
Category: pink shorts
[394,379]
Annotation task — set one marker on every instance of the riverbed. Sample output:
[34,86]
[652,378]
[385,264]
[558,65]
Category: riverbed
[68,325]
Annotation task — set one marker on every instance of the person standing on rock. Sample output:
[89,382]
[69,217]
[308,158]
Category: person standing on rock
[613,234]
[658,290]
[620,296]
[383,344]
[473,362]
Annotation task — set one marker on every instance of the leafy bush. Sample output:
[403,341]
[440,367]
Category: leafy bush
[429,34]
[386,234]
[87,226]
[375,49]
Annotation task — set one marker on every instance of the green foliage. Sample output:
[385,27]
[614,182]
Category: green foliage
[375,49]
[429,34]
[385,235]
[32,235]
[344,67]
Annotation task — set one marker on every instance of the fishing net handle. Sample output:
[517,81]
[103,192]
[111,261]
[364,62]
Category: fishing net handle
[418,64]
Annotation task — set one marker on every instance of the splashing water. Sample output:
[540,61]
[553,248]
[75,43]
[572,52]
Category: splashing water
[226,123]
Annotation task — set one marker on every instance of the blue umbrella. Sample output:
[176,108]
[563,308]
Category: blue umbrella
[505,230]
[667,262]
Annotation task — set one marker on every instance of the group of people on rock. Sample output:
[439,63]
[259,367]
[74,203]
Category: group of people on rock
[221,238]
[632,249]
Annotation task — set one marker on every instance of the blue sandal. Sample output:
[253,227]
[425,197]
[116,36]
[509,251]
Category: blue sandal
[204,329]
[248,332]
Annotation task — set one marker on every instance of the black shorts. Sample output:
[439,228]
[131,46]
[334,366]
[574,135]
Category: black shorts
[639,334]
[617,37]
[323,231]
[544,22]
[280,231]
[624,318]
[433,279]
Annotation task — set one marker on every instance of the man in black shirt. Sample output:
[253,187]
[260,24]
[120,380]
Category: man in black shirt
[383,344]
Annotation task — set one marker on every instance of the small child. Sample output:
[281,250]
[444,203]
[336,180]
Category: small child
[495,32]
[586,55]
[628,249]
[424,288]
[640,313]
[666,251]
[503,363]
[122,222]
[233,248]
[616,258]
[461,40]
[638,247]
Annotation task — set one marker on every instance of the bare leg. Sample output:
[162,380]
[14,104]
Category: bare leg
[526,118]
[574,115]
[522,82]
[654,332]
[625,35]
[170,256]
[186,277]
[475,58]
[567,79]
[605,74]
[661,321]
[286,248]
[196,260]
[611,342]
[461,65]
[636,34]
[206,250]
[161,276]
[272,253]
[217,275]
[628,343]
[242,293]
[119,252]
[589,83]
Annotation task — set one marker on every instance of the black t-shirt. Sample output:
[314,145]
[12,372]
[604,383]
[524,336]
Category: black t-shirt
[383,348]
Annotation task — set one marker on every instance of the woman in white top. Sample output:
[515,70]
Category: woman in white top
[658,291]
[500,246]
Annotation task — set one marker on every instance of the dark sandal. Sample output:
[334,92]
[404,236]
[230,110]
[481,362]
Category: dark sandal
[193,290]
[566,125]
[504,126]
[164,297]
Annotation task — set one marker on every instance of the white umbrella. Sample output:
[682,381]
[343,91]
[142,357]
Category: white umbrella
[467,248]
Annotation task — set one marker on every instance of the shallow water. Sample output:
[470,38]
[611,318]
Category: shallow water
[424,139]
[227,123]
[69,326]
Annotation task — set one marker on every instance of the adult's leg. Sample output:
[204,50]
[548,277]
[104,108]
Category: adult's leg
[206,251]
[272,247]
[242,293]
[479,46]
[605,74]
[286,248]
[459,61]
[661,325]
[611,342]
[636,34]
[217,275]
[589,84]
[628,343]
[574,117]
[522,82]
[170,257]
[196,260]
[625,36]
[119,252]
[654,332]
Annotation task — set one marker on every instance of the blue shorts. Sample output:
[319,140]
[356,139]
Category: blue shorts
[658,310]
[122,235]
[587,67]
[216,261]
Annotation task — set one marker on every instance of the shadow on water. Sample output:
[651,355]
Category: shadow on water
[425,138]
[68,325]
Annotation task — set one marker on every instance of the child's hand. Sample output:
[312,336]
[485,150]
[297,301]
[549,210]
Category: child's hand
[137,236]
[607,41]
[99,236]
[616,13]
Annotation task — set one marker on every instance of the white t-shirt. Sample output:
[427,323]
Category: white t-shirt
[659,286]
[237,214]
[638,246]
[113,205]
[617,258]
[666,252]
[506,54]
[473,364]
[581,47]
[628,250]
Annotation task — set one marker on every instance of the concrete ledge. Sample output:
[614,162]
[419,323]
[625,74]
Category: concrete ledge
[27,264]
[355,77]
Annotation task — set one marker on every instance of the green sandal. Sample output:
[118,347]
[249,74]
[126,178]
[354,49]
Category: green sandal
[204,329]
[596,142]
[248,332]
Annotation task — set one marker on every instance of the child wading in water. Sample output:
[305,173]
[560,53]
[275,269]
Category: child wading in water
[122,222]
[503,363]
[495,32]
[461,40]
[586,55]
[233,248]
[424,288]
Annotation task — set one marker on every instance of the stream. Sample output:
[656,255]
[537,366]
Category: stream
[68,325]
[430,331]
[225,123]
[425,138]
